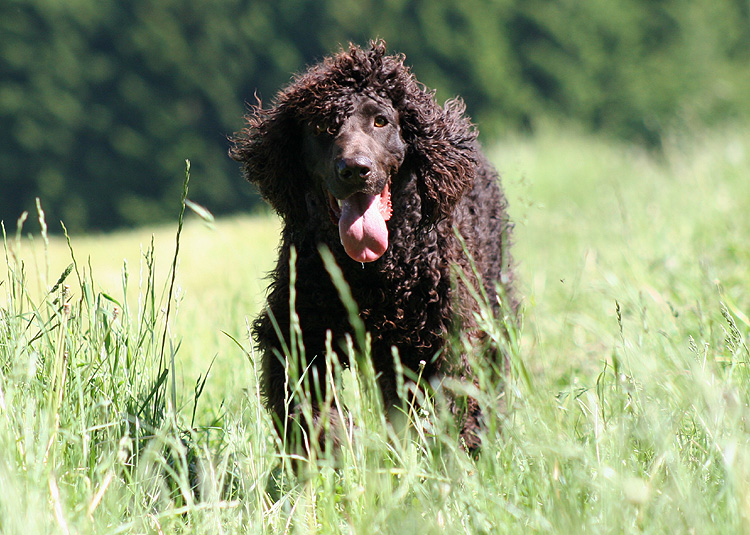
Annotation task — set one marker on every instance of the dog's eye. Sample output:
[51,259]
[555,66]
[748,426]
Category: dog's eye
[380,121]
[319,128]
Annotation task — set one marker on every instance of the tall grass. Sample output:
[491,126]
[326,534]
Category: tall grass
[91,429]
[625,411]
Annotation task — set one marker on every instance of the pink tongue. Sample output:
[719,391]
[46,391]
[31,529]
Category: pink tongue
[362,228]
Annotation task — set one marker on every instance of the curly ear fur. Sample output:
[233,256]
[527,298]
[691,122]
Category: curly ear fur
[443,145]
[270,151]
[442,141]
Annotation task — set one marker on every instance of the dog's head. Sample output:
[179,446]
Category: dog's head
[342,132]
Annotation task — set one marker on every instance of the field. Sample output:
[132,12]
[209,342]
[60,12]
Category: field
[627,409]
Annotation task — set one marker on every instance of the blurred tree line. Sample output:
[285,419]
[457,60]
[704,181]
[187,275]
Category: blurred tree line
[101,101]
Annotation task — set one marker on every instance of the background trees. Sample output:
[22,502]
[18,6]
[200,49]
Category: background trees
[102,101]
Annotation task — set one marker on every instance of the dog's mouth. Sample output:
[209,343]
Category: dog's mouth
[361,219]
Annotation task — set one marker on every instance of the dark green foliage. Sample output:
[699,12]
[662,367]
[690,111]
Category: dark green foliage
[102,101]
[638,68]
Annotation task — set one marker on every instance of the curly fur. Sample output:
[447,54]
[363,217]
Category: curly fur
[407,297]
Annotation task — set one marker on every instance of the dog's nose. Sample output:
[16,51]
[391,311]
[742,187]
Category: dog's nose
[354,168]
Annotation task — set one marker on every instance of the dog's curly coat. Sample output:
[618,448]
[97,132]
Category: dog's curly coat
[356,155]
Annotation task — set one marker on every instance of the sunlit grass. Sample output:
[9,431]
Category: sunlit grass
[220,281]
[634,268]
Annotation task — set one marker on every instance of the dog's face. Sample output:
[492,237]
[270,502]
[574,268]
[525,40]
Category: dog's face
[353,164]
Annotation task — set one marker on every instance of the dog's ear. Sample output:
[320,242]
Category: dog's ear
[442,144]
[269,149]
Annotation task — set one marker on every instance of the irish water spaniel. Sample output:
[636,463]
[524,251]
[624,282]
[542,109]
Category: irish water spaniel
[356,156]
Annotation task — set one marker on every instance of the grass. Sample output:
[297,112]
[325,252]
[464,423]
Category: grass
[634,268]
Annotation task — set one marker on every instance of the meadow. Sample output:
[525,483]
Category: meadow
[129,401]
